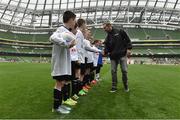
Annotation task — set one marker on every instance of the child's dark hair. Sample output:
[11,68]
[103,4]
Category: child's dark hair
[80,22]
[68,15]
[76,25]
[96,41]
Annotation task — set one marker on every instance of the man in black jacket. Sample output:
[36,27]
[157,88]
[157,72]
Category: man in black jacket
[118,46]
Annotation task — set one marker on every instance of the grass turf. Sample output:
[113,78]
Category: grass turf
[26,92]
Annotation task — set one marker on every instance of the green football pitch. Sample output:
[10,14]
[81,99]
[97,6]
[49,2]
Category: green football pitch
[26,92]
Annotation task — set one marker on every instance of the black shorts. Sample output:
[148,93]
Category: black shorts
[89,65]
[74,66]
[83,68]
[93,68]
[63,77]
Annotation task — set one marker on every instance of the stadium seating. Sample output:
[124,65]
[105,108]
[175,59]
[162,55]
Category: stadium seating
[136,33]
[24,50]
[98,33]
[142,34]
[25,37]
[173,34]
[155,50]
[155,34]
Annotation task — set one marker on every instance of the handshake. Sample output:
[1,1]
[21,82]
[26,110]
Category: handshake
[101,52]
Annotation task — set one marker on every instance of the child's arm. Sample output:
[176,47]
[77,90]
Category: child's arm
[57,39]
[89,48]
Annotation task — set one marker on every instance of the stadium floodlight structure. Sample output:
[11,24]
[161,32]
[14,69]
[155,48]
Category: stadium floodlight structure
[46,15]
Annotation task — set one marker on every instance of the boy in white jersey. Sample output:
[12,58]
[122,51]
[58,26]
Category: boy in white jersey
[75,67]
[61,62]
[80,47]
[70,88]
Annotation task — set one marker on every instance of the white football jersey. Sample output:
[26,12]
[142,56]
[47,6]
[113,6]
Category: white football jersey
[88,47]
[80,46]
[88,54]
[74,53]
[61,61]
[68,36]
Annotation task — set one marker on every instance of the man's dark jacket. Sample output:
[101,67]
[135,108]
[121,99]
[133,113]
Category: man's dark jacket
[116,44]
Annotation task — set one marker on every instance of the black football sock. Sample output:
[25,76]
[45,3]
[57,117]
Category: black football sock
[57,98]
[74,87]
[66,92]
[79,85]
[91,76]
[85,80]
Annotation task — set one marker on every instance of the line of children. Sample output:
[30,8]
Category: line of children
[72,62]
[90,50]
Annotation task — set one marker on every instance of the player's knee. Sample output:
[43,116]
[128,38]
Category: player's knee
[59,84]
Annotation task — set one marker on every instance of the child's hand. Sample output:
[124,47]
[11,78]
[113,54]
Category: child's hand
[72,43]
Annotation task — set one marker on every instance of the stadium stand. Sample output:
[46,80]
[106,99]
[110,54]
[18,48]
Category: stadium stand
[143,34]
[25,37]
[136,33]
[155,50]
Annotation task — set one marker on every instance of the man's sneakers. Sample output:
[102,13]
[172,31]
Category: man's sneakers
[113,90]
[62,109]
[126,90]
